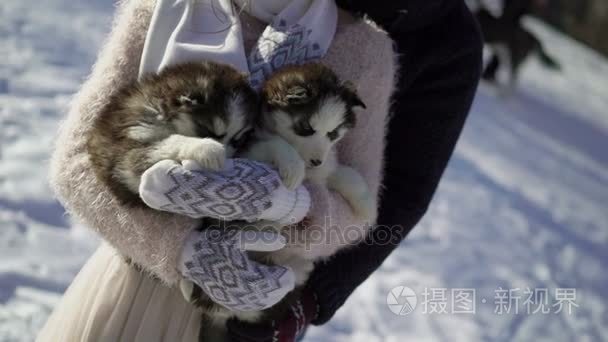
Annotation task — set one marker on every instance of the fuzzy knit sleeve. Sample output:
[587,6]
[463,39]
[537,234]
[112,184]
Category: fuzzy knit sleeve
[331,224]
[150,238]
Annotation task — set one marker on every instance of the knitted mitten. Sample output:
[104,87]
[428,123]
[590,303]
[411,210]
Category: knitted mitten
[244,190]
[215,260]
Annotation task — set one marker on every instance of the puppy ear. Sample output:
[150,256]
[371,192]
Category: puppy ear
[296,94]
[349,92]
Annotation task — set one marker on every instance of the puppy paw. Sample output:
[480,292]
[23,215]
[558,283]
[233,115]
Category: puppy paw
[292,172]
[366,207]
[209,154]
[193,294]
[300,266]
[187,289]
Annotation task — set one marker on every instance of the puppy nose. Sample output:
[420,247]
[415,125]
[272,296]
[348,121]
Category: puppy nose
[315,162]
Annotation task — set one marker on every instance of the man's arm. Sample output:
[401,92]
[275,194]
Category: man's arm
[440,68]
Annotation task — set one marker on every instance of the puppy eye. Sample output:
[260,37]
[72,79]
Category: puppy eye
[242,139]
[333,135]
[305,131]
[217,137]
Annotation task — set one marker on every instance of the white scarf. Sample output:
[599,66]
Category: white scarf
[194,30]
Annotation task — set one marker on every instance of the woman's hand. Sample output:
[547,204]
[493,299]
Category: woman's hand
[244,190]
[215,259]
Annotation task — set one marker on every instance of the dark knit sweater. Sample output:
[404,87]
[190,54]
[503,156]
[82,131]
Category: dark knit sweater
[440,61]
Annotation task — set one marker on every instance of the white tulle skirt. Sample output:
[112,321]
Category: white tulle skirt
[112,301]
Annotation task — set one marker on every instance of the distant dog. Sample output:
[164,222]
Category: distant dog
[511,43]
[197,111]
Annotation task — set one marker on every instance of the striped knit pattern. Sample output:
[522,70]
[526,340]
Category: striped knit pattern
[240,193]
[229,277]
[281,45]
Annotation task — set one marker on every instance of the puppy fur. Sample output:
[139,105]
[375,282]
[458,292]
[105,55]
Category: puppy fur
[305,111]
[199,111]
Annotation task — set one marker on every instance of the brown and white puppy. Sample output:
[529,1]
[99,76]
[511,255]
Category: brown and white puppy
[199,111]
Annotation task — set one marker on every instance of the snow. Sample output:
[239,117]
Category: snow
[523,203]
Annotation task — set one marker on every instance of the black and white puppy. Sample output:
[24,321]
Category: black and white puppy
[199,111]
[305,111]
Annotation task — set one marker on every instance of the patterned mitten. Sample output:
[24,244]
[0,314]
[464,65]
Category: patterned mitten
[216,260]
[245,190]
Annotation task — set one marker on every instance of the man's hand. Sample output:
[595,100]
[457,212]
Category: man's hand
[215,259]
[290,327]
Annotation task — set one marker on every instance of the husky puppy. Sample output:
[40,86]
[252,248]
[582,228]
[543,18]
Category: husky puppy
[199,111]
[305,111]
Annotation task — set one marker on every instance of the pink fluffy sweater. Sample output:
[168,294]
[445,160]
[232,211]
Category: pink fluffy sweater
[360,52]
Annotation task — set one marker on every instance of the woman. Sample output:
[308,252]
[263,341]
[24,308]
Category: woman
[439,48]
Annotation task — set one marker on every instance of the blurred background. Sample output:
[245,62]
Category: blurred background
[586,20]
[522,206]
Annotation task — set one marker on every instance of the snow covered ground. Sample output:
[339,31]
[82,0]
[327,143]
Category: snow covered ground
[523,204]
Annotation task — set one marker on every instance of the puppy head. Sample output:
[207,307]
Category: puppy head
[310,108]
[207,100]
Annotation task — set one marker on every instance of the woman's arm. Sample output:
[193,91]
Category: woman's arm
[151,239]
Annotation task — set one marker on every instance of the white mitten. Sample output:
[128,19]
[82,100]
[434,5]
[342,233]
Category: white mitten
[215,259]
[243,190]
